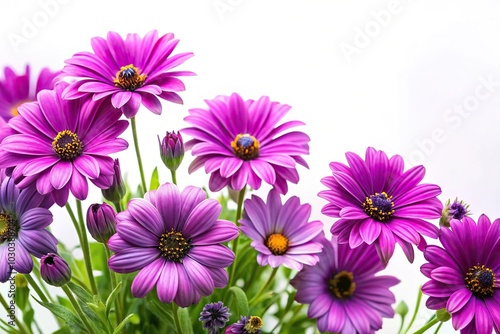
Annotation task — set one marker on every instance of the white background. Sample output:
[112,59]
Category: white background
[411,83]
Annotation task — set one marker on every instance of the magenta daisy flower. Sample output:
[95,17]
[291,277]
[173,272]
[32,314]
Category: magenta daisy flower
[281,232]
[343,292]
[175,241]
[59,144]
[464,274]
[239,143]
[132,71]
[378,203]
[16,89]
[24,215]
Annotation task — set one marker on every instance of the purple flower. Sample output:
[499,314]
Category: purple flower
[456,210]
[175,241]
[24,215]
[378,203]
[101,221]
[281,233]
[464,274]
[239,143]
[131,71]
[59,144]
[214,316]
[343,291]
[118,189]
[54,270]
[171,150]
[16,89]
[246,325]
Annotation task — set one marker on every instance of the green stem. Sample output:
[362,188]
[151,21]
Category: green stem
[239,209]
[417,306]
[174,176]
[35,286]
[36,271]
[85,248]
[22,327]
[439,327]
[75,222]
[118,206]
[176,318]
[77,308]
[264,288]
[112,274]
[427,326]
[138,155]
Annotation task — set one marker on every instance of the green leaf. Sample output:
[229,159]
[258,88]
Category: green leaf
[111,298]
[154,183]
[185,321]
[119,328]
[237,301]
[8,328]
[63,330]
[98,257]
[62,312]
[95,319]
[28,315]
[80,292]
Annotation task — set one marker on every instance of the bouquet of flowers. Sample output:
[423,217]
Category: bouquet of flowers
[177,259]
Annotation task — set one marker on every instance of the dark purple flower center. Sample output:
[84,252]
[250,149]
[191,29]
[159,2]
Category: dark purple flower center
[245,147]
[379,206]
[8,227]
[174,246]
[129,78]
[458,210]
[49,260]
[67,145]
[480,280]
[342,285]
[277,243]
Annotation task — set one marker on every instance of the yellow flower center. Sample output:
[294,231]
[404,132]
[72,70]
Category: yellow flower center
[379,206]
[342,285]
[277,243]
[129,78]
[67,145]
[245,147]
[253,325]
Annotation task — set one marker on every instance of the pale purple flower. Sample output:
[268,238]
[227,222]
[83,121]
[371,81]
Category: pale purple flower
[130,71]
[465,274]
[17,89]
[58,145]
[240,142]
[175,241]
[24,215]
[378,203]
[281,233]
[343,292]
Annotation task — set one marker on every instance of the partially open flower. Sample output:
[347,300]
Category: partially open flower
[214,316]
[54,270]
[456,210]
[117,190]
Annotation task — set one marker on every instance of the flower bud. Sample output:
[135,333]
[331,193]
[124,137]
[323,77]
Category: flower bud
[456,210]
[443,315]
[101,222]
[54,270]
[117,190]
[171,150]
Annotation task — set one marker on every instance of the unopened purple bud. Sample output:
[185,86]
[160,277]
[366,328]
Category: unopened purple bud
[171,150]
[101,222]
[54,270]
[117,190]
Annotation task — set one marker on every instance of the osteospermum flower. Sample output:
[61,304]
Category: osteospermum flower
[281,232]
[24,215]
[464,274]
[239,143]
[59,144]
[343,292]
[16,89]
[131,71]
[246,325]
[456,210]
[378,203]
[175,241]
